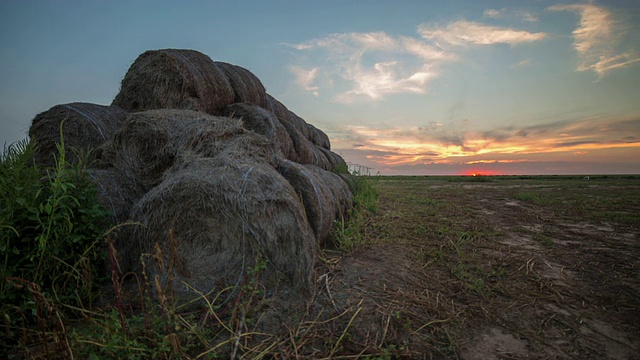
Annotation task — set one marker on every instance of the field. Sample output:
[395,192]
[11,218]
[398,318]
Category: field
[438,268]
[498,267]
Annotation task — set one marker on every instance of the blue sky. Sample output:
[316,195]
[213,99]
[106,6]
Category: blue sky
[403,87]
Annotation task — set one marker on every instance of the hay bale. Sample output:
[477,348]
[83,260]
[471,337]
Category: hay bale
[319,158]
[287,117]
[112,195]
[175,79]
[305,151]
[152,141]
[84,126]
[319,138]
[336,162]
[306,138]
[246,86]
[326,197]
[265,123]
[225,215]
[301,146]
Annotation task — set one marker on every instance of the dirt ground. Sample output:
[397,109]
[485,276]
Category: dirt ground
[500,269]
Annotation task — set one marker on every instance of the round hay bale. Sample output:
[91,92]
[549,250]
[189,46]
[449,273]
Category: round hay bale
[152,141]
[246,86]
[84,127]
[301,125]
[245,146]
[224,217]
[301,145]
[319,158]
[175,79]
[286,116]
[111,194]
[337,163]
[326,197]
[265,123]
[319,138]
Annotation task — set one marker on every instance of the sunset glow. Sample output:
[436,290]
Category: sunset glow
[460,87]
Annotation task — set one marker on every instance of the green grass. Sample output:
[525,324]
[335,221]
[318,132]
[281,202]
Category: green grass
[543,239]
[347,234]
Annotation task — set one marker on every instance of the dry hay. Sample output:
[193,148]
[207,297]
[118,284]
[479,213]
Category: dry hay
[152,141]
[309,142]
[111,194]
[336,162]
[175,79]
[305,151]
[265,123]
[224,216]
[286,116]
[246,86]
[325,195]
[318,137]
[84,127]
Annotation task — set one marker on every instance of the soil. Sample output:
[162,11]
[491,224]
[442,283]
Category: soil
[502,269]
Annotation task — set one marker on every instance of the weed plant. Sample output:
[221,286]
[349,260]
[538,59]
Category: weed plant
[51,225]
[348,233]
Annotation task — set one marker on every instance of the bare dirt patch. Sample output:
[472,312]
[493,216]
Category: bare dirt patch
[509,269]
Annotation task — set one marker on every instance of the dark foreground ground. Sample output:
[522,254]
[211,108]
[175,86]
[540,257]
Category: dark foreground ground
[446,268]
[492,268]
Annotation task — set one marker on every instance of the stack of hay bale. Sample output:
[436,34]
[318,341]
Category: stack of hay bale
[218,173]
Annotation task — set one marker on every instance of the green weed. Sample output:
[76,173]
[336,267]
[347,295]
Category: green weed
[543,239]
[348,233]
[533,198]
[50,232]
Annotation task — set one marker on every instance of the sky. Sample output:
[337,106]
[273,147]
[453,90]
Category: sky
[400,87]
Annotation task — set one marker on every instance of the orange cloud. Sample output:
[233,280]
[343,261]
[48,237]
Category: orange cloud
[396,146]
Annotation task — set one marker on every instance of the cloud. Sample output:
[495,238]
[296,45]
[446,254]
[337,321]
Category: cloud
[383,79]
[511,14]
[520,64]
[344,42]
[306,78]
[374,64]
[493,13]
[452,142]
[597,39]
[463,32]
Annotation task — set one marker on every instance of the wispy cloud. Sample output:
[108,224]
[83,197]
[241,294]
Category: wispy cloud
[520,64]
[383,79]
[511,14]
[375,64]
[305,78]
[597,39]
[463,32]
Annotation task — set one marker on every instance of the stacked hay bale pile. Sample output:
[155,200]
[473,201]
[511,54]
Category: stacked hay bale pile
[218,173]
